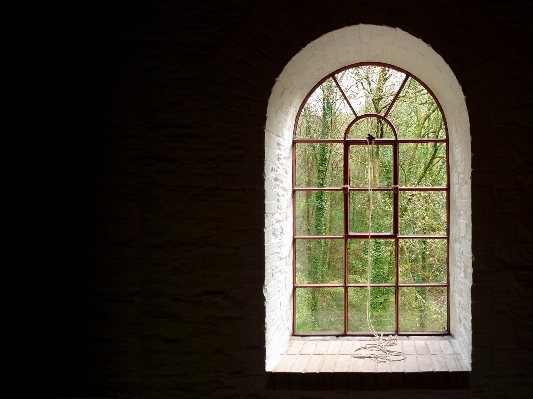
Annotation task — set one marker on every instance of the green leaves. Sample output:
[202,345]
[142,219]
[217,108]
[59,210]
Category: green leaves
[400,182]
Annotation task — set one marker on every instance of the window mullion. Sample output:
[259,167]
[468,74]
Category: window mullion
[396,227]
[346,194]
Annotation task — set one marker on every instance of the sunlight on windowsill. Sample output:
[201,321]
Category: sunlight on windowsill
[327,363]
[335,354]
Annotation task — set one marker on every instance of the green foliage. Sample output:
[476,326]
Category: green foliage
[326,115]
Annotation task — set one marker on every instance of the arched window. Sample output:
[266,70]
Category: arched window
[370,200]
[445,237]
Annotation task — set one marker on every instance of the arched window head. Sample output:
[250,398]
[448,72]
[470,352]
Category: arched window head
[370,200]
[317,87]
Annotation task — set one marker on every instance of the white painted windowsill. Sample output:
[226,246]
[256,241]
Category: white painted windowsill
[334,355]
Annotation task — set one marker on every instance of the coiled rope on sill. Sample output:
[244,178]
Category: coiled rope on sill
[379,352]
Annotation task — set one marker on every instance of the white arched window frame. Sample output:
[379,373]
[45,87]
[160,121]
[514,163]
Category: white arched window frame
[337,49]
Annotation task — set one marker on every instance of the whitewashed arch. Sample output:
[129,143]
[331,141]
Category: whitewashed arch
[350,45]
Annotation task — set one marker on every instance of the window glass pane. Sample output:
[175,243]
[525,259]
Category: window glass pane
[423,261]
[319,310]
[319,165]
[370,88]
[423,212]
[382,258]
[326,114]
[381,211]
[423,164]
[319,213]
[319,261]
[415,113]
[374,126]
[423,309]
[379,156]
[382,313]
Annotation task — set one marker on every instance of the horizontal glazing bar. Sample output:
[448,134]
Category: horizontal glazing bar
[369,334]
[422,140]
[362,285]
[423,285]
[317,189]
[365,141]
[439,237]
[373,189]
[318,237]
[423,333]
[399,285]
[392,141]
[422,188]
[399,188]
[359,285]
[318,141]
[319,334]
[373,235]
[318,285]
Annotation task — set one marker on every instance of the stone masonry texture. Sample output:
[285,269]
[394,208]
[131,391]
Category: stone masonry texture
[151,171]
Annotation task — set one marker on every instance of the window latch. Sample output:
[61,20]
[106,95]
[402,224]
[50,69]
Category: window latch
[345,189]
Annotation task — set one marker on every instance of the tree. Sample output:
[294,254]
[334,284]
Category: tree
[370,90]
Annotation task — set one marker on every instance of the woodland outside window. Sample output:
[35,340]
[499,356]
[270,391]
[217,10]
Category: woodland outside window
[371,206]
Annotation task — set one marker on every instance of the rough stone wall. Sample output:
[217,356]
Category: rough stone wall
[152,169]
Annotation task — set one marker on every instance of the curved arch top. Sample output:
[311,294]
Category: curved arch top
[333,51]
[360,117]
[403,79]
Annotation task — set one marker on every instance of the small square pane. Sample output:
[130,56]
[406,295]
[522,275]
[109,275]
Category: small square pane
[423,212]
[379,157]
[319,261]
[381,209]
[423,309]
[382,254]
[319,165]
[423,261]
[319,310]
[381,310]
[423,165]
[319,213]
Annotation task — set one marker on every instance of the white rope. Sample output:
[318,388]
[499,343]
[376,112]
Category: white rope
[370,171]
[379,352]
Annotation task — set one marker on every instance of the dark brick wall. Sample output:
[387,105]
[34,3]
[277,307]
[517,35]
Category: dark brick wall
[153,178]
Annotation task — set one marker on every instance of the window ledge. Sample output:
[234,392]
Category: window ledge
[327,363]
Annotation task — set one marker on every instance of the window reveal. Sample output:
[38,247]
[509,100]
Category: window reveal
[377,118]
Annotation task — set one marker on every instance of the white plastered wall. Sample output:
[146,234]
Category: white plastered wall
[360,43]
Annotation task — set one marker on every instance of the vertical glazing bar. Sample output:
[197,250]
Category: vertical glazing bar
[346,196]
[293,310]
[293,239]
[396,226]
[345,289]
[346,188]
[447,231]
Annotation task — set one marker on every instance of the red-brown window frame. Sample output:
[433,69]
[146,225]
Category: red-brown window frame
[396,189]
